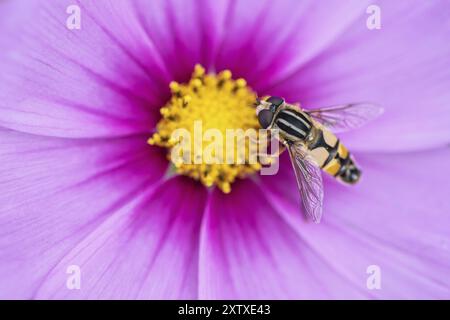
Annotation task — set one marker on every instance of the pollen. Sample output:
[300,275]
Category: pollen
[217,102]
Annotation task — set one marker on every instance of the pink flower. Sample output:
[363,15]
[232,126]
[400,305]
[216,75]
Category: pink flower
[79,185]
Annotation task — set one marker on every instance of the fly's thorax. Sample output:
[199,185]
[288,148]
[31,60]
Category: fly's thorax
[293,124]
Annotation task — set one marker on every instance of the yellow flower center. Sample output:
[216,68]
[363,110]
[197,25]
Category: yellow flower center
[217,102]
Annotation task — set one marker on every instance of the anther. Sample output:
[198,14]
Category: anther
[221,103]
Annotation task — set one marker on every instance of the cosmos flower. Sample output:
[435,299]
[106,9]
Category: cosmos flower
[81,186]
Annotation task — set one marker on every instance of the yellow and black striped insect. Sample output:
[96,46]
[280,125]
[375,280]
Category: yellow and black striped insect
[309,137]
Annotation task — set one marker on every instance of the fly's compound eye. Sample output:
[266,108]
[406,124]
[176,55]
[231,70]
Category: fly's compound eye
[275,102]
[265,118]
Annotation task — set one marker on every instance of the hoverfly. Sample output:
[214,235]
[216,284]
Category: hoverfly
[312,146]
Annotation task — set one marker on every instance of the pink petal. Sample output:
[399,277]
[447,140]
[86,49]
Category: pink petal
[264,39]
[106,79]
[111,77]
[396,218]
[146,250]
[248,252]
[404,67]
[54,192]
[185,32]
[13,14]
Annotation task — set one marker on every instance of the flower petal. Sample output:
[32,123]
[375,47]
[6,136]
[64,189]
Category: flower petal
[147,250]
[53,192]
[13,14]
[248,252]
[106,79]
[398,222]
[267,39]
[185,32]
[404,66]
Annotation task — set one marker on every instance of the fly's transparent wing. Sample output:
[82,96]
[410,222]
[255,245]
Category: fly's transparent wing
[309,181]
[346,116]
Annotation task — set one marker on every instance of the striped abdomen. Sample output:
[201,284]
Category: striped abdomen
[333,156]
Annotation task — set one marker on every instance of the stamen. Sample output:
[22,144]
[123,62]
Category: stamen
[219,102]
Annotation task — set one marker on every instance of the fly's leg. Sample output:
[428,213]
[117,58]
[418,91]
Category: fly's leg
[266,158]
